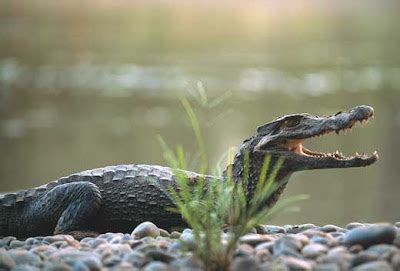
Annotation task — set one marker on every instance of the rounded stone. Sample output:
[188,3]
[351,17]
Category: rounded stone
[6,261]
[23,257]
[370,235]
[354,225]
[156,266]
[373,266]
[332,228]
[363,257]
[255,239]
[299,228]
[244,250]
[296,264]
[312,251]
[146,229]
[244,263]
[164,233]
[175,235]
[271,229]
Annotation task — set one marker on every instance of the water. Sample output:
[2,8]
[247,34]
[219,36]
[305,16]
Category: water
[83,88]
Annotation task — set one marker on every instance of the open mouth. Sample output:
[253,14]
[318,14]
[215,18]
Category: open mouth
[296,145]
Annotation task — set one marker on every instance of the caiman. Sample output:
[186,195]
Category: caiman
[117,198]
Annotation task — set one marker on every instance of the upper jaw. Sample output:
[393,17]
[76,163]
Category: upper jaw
[291,145]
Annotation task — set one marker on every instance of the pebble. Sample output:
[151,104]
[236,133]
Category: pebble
[6,261]
[246,263]
[370,235]
[255,239]
[271,229]
[146,229]
[298,228]
[374,266]
[357,247]
[296,264]
[314,250]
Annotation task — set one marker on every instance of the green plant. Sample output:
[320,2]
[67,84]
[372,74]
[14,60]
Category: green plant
[209,204]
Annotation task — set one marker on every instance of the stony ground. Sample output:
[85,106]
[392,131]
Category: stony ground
[301,247]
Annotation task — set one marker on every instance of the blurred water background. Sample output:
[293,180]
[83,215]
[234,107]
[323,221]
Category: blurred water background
[85,84]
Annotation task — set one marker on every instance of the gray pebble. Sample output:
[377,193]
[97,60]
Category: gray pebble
[312,251]
[244,263]
[327,267]
[299,228]
[136,258]
[296,264]
[255,239]
[332,228]
[146,229]
[244,250]
[6,261]
[383,248]
[287,245]
[373,266]
[363,257]
[25,257]
[17,244]
[25,267]
[156,266]
[271,229]
[354,225]
[175,235]
[397,224]
[370,235]
[158,255]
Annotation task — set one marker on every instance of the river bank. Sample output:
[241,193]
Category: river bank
[356,246]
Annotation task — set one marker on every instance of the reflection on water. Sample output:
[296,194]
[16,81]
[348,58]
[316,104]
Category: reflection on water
[72,99]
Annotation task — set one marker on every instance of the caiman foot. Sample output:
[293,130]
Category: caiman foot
[79,235]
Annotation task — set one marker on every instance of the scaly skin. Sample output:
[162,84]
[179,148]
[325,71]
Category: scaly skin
[117,198]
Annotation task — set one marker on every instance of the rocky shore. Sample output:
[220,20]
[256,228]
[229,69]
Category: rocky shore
[356,246]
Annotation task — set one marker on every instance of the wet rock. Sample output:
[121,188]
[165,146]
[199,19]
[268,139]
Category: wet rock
[244,263]
[374,266]
[312,251]
[6,261]
[397,224]
[255,239]
[370,235]
[146,229]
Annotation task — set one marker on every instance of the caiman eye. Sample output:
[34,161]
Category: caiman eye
[291,122]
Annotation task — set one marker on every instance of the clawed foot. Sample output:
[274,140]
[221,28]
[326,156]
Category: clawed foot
[79,235]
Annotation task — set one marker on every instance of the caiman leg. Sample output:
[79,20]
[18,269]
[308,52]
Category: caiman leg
[67,208]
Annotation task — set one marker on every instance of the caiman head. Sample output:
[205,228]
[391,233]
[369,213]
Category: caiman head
[284,137]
